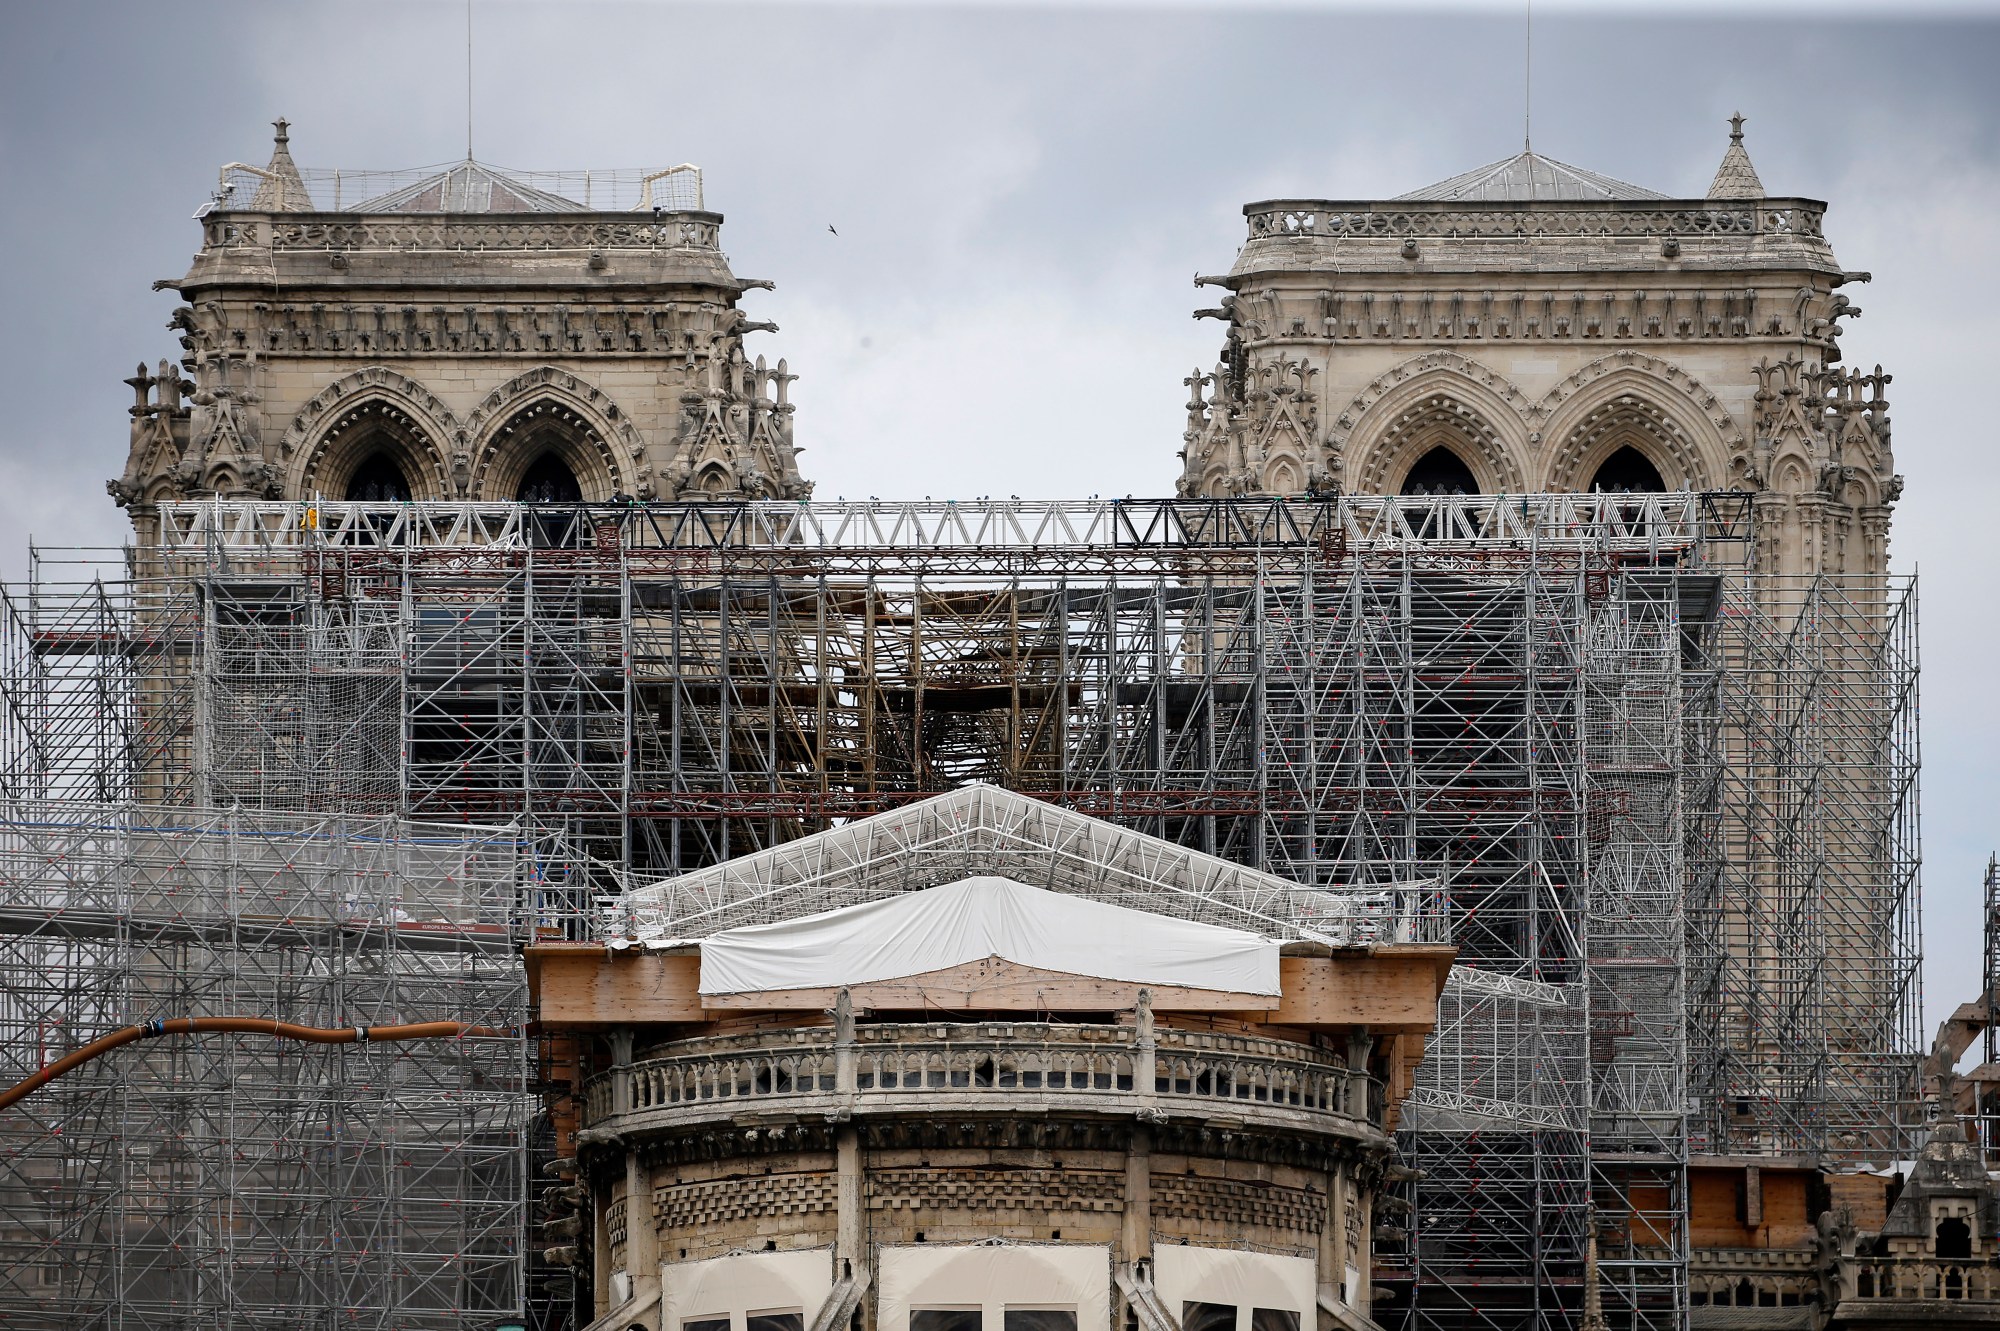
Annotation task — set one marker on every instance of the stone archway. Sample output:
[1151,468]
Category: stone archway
[549,412]
[1439,419]
[1437,399]
[1633,400]
[374,412]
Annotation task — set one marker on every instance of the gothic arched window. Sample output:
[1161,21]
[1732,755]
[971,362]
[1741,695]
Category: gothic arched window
[1440,472]
[1628,471]
[549,480]
[378,480]
[1954,1240]
[374,452]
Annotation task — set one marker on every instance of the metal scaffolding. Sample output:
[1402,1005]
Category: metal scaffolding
[1802,875]
[1670,799]
[244,1181]
[1984,1088]
[989,830]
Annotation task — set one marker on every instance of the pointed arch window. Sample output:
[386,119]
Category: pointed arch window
[372,453]
[379,479]
[1628,471]
[549,480]
[1440,472]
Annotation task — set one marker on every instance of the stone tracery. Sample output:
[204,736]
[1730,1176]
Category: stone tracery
[1631,399]
[1412,424]
[549,411]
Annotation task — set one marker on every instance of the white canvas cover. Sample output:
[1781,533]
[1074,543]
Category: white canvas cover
[1246,1280]
[981,917]
[993,1277]
[743,1283]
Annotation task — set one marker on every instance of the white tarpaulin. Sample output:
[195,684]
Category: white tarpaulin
[1246,1281]
[744,1283]
[982,917]
[994,1277]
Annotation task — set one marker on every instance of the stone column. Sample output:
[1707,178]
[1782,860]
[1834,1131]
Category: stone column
[850,1248]
[1364,1257]
[1136,1234]
[1333,1239]
[600,1249]
[642,1232]
[642,1235]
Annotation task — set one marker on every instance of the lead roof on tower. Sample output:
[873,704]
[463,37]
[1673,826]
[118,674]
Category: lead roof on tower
[1528,177]
[469,187]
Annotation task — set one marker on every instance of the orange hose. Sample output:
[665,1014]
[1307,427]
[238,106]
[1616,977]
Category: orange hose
[104,1044]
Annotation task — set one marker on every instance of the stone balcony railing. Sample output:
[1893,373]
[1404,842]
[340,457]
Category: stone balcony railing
[1443,219]
[1907,1279]
[989,1067]
[346,233]
[1753,1278]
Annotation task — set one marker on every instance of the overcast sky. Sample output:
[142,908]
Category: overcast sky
[1023,194]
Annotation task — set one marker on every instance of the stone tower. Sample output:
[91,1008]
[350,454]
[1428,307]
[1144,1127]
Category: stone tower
[1531,326]
[463,334]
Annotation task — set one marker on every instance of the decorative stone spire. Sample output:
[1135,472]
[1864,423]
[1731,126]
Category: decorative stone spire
[1736,178]
[283,189]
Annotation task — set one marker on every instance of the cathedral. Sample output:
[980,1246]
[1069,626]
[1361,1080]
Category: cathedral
[1527,327]
[1530,550]
[1532,327]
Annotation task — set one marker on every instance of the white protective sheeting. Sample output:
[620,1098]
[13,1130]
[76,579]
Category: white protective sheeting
[982,917]
[993,1277]
[743,1283]
[1245,1280]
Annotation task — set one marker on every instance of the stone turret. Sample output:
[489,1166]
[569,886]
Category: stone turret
[283,189]
[1736,178]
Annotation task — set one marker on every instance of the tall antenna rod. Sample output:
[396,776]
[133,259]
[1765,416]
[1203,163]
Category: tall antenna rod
[468,80]
[1527,84]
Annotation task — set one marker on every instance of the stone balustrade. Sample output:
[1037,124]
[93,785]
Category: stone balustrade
[1306,219]
[987,1066]
[345,233]
[1753,1278]
[1911,1278]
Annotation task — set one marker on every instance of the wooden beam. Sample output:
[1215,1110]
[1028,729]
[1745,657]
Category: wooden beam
[585,986]
[1388,990]
[1392,990]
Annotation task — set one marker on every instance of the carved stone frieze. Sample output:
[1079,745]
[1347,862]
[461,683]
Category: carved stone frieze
[1231,1205]
[728,1143]
[403,234]
[1394,221]
[693,1206]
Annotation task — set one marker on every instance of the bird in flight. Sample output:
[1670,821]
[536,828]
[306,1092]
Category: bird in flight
[829,227]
